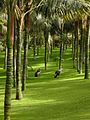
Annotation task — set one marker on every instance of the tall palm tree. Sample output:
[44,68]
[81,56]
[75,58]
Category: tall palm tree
[46,33]
[81,46]
[87,39]
[26,37]
[18,57]
[23,11]
[9,78]
[77,43]
[14,55]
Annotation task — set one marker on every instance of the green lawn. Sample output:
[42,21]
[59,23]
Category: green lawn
[46,98]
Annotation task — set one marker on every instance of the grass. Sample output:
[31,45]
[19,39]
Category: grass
[64,98]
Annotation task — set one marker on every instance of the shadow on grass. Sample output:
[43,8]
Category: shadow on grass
[63,107]
[65,98]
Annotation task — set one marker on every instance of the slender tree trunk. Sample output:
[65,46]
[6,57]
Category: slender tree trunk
[49,52]
[61,43]
[83,40]
[53,42]
[60,57]
[18,57]
[25,61]
[66,39]
[87,48]
[45,59]
[38,44]
[46,39]
[37,50]
[9,71]
[51,48]
[14,57]
[34,47]
[81,47]
[27,55]
[18,65]
[77,45]
[73,50]
[63,46]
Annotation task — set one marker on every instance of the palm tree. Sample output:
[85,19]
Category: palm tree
[27,11]
[14,55]
[18,57]
[77,43]
[81,46]
[61,43]
[26,38]
[87,48]
[9,78]
[46,41]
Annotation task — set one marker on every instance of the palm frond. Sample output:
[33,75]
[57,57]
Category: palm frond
[66,9]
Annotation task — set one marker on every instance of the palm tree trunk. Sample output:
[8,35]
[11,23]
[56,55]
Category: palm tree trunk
[18,64]
[18,57]
[8,88]
[46,39]
[34,47]
[60,57]
[77,44]
[53,43]
[25,61]
[83,40]
[38,50]
[9,72]
[66,41]
[26,39]
[73,50]
[49,52]
[87,48]
[81,47]
[45,59]
[61,45]
[51,48]
[14,56]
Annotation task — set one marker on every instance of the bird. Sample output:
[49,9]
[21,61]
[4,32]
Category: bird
[37,73]
[57,72]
